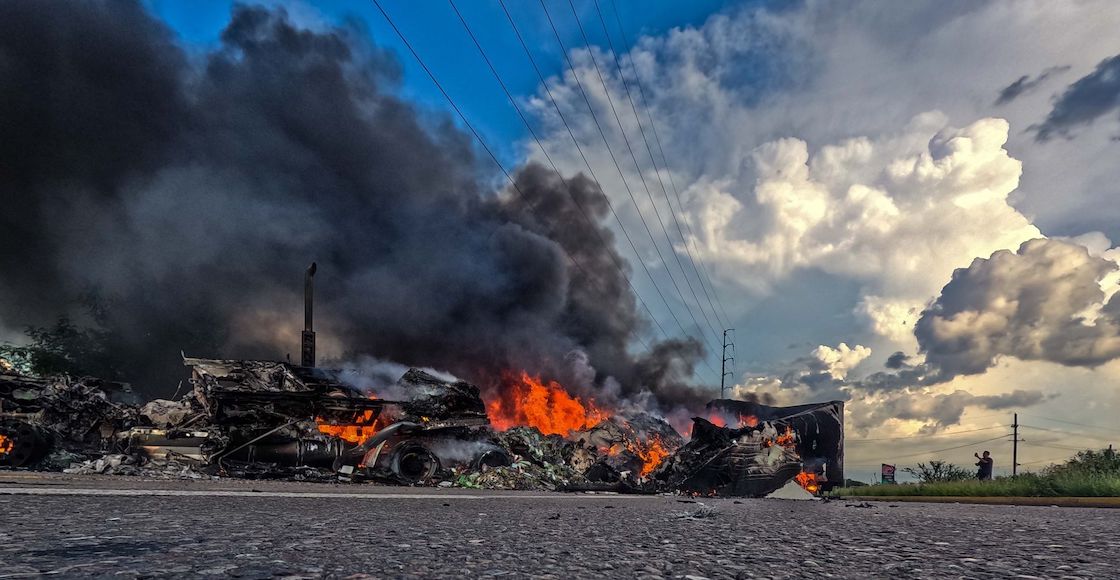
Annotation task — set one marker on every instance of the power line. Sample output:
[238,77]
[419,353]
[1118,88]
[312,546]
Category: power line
[1061,447]
[587,163]
[567,186]
[665,164]
[664,189]
[1073,433]
[653,162]
[1113,429]
[642,177]
[932,436]
[614,159]
[474,132]
[1052,460]
[947,448]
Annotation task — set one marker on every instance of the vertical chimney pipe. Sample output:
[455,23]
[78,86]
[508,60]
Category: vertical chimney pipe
[307,350]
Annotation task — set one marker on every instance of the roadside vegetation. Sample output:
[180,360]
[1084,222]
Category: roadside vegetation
[1089,474]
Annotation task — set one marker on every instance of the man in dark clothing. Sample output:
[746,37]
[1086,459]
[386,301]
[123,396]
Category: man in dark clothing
[985,464]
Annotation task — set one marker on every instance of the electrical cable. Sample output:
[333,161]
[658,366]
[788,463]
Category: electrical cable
[665,159]
[618,167]
[1113,429]
[586,161]
[567,185]
[1072,433]
[476,134]
[947,448]
[933,436]
[664,189]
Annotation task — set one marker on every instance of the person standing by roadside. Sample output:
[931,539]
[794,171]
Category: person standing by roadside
[985,464]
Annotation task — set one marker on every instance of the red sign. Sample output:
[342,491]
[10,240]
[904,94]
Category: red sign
[887,474]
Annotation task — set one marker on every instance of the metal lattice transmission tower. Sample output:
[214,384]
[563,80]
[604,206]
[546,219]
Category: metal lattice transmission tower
[723,365]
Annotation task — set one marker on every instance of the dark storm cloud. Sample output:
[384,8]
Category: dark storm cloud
[1083,102]
[1026,84]
[188,196]
[897,360]
[1043,302]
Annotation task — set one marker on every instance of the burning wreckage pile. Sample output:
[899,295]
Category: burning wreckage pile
[261,419]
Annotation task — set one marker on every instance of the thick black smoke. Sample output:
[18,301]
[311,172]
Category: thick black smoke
[187,194]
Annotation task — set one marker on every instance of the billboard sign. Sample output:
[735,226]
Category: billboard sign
[887,474]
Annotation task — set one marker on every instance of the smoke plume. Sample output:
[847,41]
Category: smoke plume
[184,195]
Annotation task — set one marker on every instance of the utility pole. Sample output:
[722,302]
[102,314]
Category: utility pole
[1015,445]
[723,365]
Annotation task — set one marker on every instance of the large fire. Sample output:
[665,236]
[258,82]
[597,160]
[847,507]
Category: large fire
[6,445]
[527,400]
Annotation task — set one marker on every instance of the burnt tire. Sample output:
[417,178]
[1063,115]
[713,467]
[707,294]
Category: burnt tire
[491,458]
[27,444]
[414,463]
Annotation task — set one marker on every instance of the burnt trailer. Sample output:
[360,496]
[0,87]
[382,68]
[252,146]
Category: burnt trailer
[749,449]
[271,419]
[275,413]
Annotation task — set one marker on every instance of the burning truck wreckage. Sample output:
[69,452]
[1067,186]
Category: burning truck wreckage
[262,419]
[275,420]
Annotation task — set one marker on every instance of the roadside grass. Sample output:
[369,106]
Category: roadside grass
[1026,485]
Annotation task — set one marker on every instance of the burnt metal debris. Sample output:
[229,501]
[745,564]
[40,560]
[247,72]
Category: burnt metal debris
[266,419]
[759,448]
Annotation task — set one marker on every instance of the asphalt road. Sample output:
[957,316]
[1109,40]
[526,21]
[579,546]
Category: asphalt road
[128,527]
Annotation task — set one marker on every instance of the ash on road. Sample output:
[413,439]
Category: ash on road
[100,526]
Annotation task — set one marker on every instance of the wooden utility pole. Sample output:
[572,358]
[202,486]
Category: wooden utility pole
[1015,445]
[723,365]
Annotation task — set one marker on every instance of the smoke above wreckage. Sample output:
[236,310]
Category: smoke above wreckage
[169,199]
[166,200]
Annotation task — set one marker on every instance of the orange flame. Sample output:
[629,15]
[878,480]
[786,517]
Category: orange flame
[526,400]
[720,419]
[787,439]
[364,426]
[652,454]
[651,451]
[808,481]
[6,445]
[354,433]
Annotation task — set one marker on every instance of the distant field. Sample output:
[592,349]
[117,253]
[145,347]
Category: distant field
[1028,485]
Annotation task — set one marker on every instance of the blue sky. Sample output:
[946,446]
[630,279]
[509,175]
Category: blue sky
[436,33]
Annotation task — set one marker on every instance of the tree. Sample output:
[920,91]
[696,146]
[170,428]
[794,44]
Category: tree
[939,471]
[1105,462]
[64,348]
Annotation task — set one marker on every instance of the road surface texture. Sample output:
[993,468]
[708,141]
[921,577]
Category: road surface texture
[129,527]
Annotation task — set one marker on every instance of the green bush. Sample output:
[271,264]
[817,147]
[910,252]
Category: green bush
[939,471]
